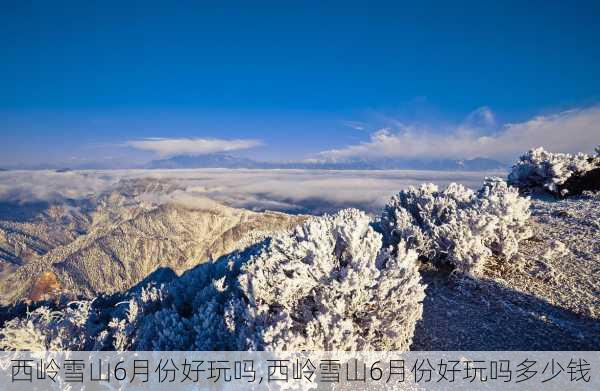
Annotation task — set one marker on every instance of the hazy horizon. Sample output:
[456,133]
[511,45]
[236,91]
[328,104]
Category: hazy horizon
[297,191]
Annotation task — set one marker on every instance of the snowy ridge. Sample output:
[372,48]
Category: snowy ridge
[346,282]
[335,288]
[332,283]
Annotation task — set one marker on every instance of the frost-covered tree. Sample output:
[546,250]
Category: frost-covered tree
[457,225]
[557,173]
[329,284]
[45,329]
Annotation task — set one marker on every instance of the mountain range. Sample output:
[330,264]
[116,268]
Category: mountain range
[109,242]
[221,160]
[229,161]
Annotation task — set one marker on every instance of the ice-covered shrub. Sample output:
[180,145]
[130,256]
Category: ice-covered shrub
[457,225]
[329,284]
[45,329]
[557,173]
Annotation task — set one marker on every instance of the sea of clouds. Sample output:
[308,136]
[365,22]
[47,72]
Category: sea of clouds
[297,191]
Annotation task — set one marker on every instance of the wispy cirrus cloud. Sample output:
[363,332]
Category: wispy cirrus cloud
[356,125]
[166,147]
[478,136]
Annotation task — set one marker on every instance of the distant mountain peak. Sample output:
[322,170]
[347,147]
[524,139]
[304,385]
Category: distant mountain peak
[216,160]
[356,163]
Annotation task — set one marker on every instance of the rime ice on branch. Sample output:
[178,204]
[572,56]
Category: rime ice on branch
[557,173]
[457,225]
[328,285]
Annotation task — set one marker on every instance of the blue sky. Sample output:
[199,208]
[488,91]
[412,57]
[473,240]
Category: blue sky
[84,82]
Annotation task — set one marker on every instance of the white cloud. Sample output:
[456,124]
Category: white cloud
[482,117]
[568,131]
[166,147]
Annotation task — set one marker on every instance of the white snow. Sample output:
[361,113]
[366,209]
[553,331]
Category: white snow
[457,225]
[540,169]
[328,285]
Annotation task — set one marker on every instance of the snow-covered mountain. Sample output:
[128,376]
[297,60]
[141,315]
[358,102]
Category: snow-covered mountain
[229,161]
[223,160]
[110,242]
[339,282]
[437,269]
[216,160]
